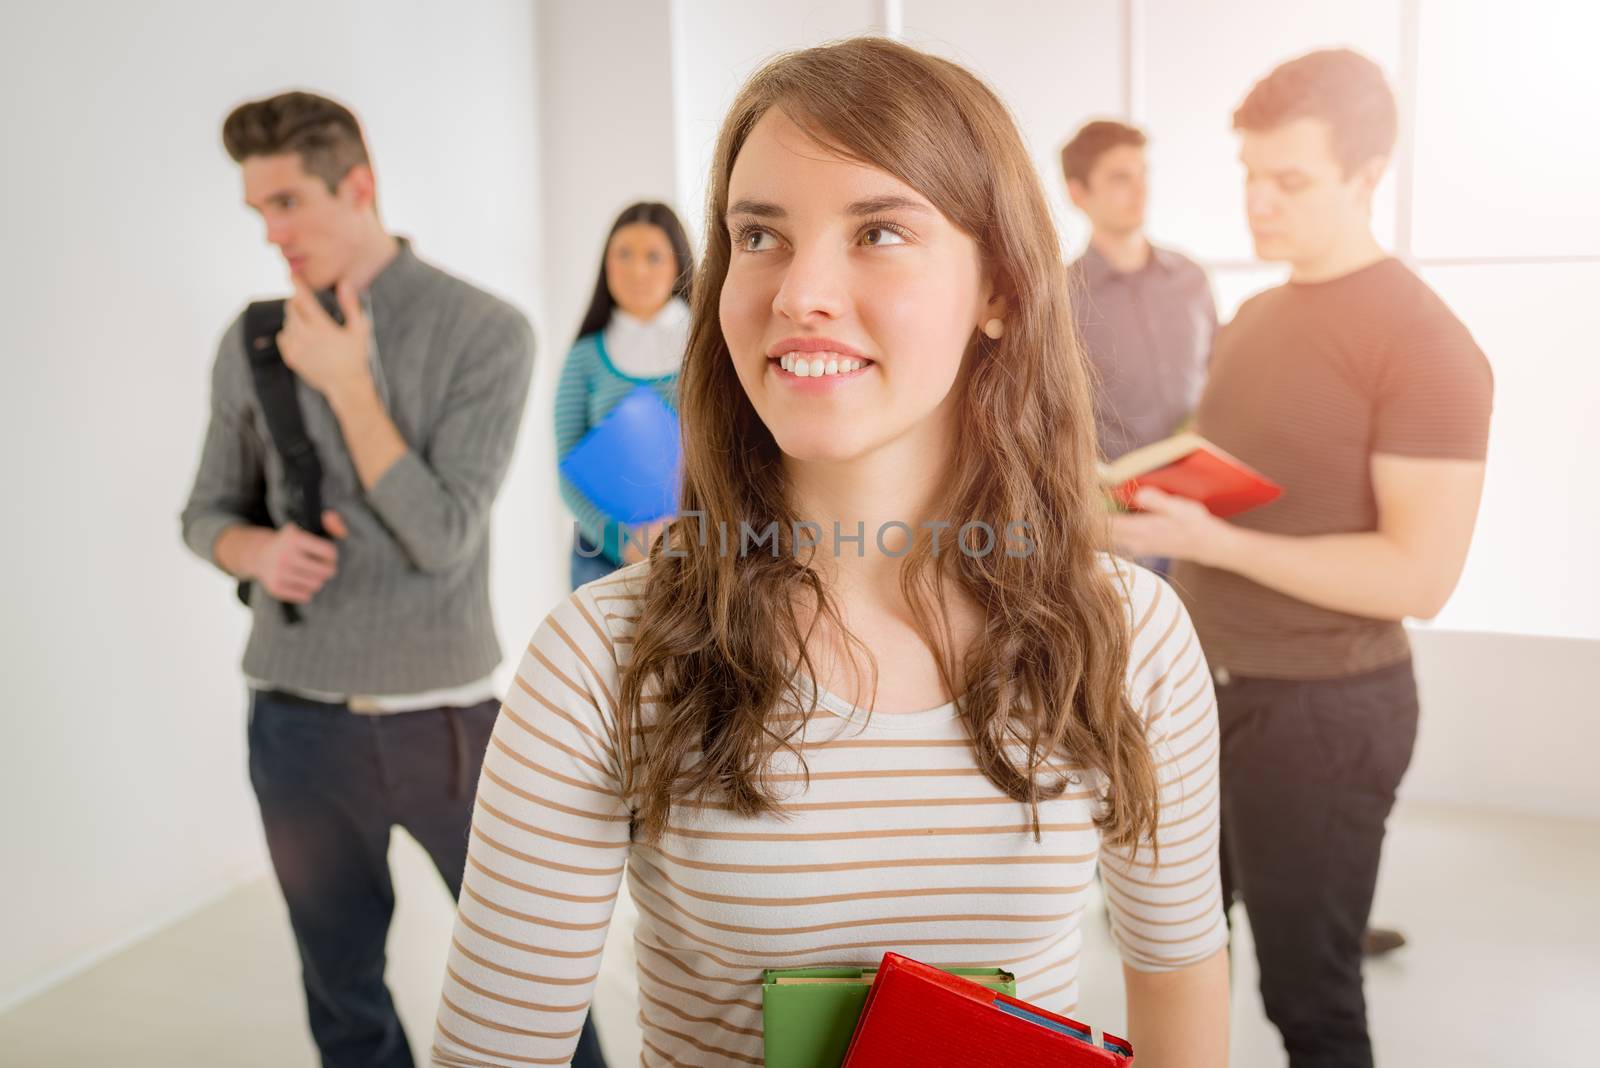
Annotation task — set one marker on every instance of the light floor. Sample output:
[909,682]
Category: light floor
[1503,966]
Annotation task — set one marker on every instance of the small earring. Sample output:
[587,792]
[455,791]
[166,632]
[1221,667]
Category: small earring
[994,329]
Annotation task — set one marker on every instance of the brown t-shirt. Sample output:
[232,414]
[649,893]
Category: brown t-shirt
[1307,382]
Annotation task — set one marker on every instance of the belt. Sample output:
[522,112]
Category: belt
[459,771]
[287,697]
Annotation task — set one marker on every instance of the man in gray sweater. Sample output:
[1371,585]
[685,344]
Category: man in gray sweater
[375,707]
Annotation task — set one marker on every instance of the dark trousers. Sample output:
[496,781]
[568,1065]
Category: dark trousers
[1309,771]
[331,784]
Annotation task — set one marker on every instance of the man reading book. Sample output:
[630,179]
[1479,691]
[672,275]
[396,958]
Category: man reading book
[1355,389]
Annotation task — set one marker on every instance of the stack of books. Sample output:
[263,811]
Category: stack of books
[906,1012]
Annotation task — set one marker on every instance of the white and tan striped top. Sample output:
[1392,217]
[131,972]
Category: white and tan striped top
[899,843]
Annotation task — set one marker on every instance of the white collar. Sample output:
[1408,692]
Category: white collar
[648,348]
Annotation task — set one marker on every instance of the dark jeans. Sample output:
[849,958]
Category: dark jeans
[588,563]
[1309,771]
[331,784]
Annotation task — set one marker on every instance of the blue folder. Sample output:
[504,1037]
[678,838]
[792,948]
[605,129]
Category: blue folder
[630,466]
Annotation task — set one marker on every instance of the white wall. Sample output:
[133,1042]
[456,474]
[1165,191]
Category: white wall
[122,770]
[1508,722]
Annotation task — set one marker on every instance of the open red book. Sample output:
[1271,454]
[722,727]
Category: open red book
[1187,465]
[917,1014]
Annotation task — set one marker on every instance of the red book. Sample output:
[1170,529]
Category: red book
[917,1014]
[1188,465]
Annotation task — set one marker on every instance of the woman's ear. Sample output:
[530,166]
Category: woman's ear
[995,294]
[995,304]
[992,317]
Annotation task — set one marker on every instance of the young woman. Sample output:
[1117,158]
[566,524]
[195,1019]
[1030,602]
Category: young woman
[891,741]
[633,335]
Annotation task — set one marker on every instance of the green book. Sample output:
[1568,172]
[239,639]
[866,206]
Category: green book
[808,1014]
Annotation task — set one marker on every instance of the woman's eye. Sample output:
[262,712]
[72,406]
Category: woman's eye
[881,235]
[753,240]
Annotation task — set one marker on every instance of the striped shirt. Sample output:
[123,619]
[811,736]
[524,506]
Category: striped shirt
[897,843]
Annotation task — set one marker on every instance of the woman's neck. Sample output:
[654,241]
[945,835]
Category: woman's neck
[886,495]
[905,483]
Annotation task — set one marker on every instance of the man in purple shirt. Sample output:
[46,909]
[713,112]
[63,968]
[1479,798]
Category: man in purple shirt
[1145,313]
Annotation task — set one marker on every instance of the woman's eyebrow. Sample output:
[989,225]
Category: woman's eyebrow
[888,202]
[765,209]
[762,208]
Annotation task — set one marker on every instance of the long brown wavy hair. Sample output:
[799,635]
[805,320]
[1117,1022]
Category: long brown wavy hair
[720,652]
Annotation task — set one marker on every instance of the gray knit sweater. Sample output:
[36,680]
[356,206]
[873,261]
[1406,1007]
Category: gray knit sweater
[408,610]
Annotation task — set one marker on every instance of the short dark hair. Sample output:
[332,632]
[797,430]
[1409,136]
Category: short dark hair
[1343,88]
[322,132]
[1090,143]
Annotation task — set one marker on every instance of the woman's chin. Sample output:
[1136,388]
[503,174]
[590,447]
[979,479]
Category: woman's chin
[822,448]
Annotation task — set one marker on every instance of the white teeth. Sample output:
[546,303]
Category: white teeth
[817,366]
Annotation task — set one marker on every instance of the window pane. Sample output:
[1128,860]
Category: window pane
[1507,159]
[1201,60]
[1534,568]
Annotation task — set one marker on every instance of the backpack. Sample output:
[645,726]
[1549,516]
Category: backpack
[280,406]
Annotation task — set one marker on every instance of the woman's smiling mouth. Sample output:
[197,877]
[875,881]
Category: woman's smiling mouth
[799,358]
[820,364]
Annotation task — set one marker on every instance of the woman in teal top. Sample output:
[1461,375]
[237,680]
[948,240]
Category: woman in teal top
[634,334]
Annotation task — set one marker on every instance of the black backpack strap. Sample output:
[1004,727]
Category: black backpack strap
[280,405]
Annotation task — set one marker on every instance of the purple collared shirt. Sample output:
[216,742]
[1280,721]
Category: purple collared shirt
[1148,336]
